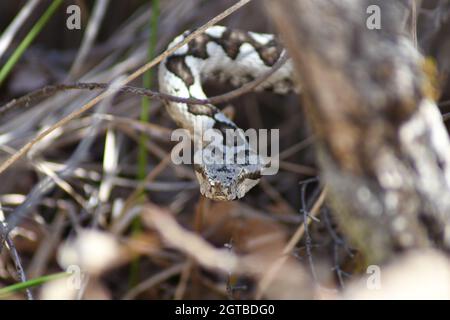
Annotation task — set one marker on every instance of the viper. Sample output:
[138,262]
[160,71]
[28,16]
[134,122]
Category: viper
[223,55]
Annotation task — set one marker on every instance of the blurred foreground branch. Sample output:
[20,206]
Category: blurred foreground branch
[383,149]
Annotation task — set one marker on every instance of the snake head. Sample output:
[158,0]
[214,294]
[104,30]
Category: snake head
[226,182]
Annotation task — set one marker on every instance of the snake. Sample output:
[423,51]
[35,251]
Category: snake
[222,55]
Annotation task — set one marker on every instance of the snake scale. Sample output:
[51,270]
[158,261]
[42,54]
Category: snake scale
[221,54]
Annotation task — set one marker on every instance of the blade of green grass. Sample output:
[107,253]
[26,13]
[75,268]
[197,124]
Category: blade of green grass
[144,117]
[31,283]
[15,25]
[147,83]
[11,62]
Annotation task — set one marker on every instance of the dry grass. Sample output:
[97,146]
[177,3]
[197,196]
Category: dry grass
[70,186]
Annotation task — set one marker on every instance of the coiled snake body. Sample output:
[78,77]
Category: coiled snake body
[221,54]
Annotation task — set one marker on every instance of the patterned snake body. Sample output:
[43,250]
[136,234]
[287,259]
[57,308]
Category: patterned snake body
[221,54]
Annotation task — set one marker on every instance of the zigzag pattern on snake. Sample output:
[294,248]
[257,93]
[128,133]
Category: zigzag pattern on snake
[221,54]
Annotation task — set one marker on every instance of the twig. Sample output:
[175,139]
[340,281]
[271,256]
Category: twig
[156,171]
[154,280]
[184,279]
[3,235]
[53,89]
[15,257]
[296,148]
[413,26]
[273,270]
[90,34]
[308,240]
[338,242]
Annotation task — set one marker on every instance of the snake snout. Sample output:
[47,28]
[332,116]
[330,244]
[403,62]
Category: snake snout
[220,192]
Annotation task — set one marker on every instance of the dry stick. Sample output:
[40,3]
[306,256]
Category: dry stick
[18,264]
[92,30]
[2,235]
[184,279]
[5,165]
[276,266]
[43,168]
[338,242]
[141,187]
[276,196]
[53,89]
[296,147]
[413,26]
[154,280]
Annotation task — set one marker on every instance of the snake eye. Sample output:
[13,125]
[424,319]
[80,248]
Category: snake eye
[254,175]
